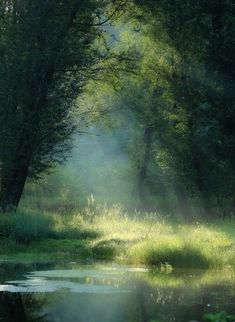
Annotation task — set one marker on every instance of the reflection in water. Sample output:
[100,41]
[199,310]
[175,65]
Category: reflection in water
[114,295]
[11,307]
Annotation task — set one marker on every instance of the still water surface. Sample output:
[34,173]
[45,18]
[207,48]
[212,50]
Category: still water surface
[95,293]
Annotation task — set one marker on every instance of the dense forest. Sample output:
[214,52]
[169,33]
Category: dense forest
[156,77]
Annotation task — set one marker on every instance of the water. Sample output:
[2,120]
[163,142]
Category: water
[77,293]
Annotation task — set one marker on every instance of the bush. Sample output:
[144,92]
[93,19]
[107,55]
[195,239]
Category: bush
[24,227]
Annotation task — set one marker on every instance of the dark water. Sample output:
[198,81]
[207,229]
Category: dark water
[73,293]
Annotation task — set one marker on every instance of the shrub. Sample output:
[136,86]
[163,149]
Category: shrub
[24,227]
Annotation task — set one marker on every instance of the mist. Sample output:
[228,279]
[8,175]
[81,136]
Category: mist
[99,166]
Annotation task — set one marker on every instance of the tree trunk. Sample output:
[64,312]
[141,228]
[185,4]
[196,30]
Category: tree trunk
[13,182]
[198,160]
[148,135]
[183,203]
[200,184]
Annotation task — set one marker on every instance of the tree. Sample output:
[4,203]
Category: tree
[138,115]
[179,97]
[202,92]
[46,50]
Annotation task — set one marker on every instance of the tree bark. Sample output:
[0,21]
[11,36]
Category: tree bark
[12,184]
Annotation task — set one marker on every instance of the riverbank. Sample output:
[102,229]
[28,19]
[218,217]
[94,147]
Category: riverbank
[109,234]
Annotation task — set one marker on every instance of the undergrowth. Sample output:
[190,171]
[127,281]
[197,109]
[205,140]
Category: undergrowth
[99,232]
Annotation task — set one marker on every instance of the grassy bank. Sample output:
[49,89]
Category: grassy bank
[108,233]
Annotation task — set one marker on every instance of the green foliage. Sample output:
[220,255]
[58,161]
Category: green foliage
[199,87]
[24,227]
[158,80]
[169,106]
[110,233]
[219,317]
[47,51]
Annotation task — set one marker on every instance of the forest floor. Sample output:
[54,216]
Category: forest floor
[109,234]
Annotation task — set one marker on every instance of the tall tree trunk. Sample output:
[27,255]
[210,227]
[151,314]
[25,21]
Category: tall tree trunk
[199,181]
[198,167]
[15,169]
[12,184]
[183,204]
[148,135]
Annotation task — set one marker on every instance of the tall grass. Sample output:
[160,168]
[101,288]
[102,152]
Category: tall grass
[153,241]
[25,227]
[109,233]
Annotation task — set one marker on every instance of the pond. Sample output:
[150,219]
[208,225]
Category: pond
[69,292]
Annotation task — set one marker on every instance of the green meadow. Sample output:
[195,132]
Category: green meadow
[110,234]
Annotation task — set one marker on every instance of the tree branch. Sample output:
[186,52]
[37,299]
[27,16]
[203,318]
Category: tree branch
[102,23]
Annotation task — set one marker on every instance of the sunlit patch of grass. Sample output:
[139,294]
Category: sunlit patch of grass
[109,233]
[153,241]
[172,251]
